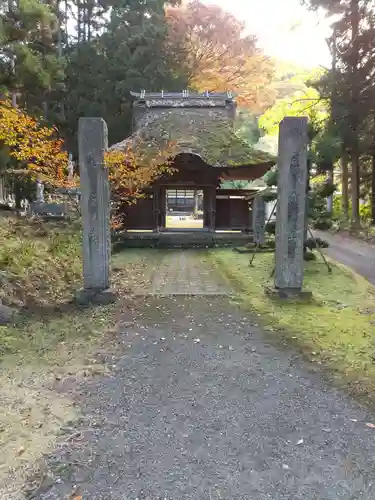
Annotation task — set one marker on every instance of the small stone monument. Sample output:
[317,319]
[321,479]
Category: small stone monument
[70,167]
[95,208]
[291,205]
[259,220]
[39,192]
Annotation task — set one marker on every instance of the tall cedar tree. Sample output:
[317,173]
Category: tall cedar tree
[352,91]
[30,66]
[128,55]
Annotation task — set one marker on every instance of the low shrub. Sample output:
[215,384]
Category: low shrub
[40,261]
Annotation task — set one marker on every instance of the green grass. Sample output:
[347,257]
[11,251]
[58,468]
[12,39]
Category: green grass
[335,329]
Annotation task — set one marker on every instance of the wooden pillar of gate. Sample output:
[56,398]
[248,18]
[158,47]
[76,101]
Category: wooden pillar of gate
[209,207]
[159,208]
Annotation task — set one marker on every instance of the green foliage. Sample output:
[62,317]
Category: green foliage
[235,185]
[270,197]
[350,90]
[271,178]
[271,228]
[308,256]
[317,206]
[312,243]
[288,80]
[365,211]
[303,103]
[325,189]
[128,55]
[29,64]
[326,147]
[40,261]
[322,223]
[247,126]
[337,206]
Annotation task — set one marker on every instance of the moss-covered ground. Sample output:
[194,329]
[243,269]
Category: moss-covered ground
[335,329]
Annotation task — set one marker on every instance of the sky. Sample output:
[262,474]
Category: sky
[285,29]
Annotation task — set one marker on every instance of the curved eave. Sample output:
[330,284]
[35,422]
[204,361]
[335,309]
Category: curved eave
[247,172]
[255,168]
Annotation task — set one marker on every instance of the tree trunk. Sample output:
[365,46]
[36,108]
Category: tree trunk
[79,22]
[60,53]
[355,180]
[345,183]
[330,198]
[354,112]
[11,6]
[45,109]
[373,191]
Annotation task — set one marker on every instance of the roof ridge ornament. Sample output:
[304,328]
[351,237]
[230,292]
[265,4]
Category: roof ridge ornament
[228,94]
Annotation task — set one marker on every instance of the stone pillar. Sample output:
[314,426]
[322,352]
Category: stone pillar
[95,207]
[291,204]
[259,220]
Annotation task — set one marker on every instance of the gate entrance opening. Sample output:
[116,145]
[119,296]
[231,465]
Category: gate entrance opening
[184,209]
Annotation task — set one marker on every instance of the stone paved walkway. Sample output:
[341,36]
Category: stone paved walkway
[184,272]
[199,406]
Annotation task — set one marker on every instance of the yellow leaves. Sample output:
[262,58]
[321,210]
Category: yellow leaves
[131,171]
[33,145]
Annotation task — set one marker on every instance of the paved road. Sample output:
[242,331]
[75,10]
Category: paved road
[357,255]
[200,407]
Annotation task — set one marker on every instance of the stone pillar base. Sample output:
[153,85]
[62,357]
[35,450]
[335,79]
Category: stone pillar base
[96,297]
[288,293]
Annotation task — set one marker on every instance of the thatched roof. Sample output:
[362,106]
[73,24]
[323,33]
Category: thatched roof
[203,132]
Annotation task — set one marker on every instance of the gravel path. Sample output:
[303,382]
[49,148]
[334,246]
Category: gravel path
[200,407]
[358,255]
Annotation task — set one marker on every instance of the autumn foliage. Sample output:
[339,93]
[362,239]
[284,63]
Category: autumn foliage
[34,146]
[129,175]
[40,152]
[217,52]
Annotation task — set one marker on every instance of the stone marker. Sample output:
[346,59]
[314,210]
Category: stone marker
[259,220]
[58,210]
[39,191]
[70,167]
[291,205]
[95,207]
